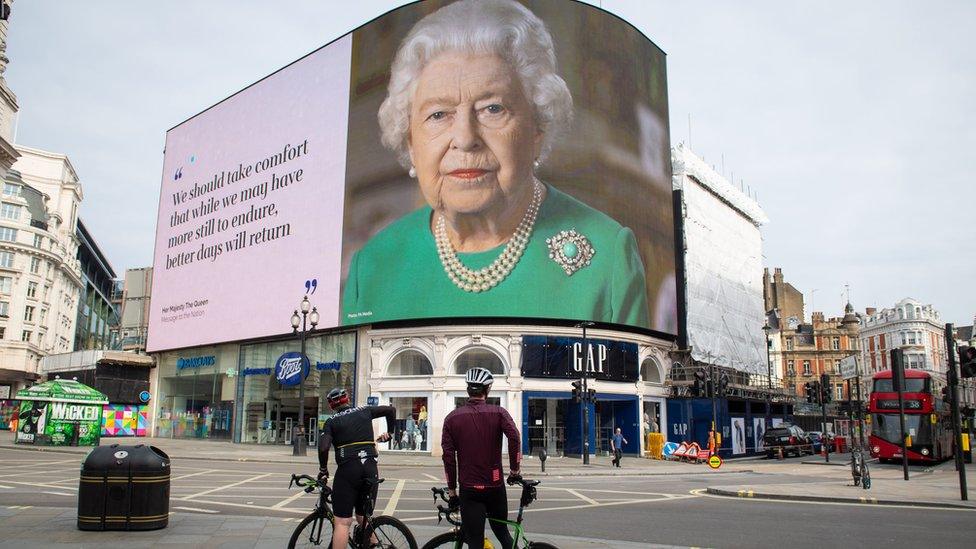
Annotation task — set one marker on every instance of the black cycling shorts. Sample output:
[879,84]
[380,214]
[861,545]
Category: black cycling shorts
[476,506]
[349,489]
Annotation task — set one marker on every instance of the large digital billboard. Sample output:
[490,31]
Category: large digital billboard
[469,159]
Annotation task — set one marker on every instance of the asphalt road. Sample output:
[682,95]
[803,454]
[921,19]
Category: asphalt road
[663,509]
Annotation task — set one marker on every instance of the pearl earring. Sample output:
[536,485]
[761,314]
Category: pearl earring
[412,173]
[536,163]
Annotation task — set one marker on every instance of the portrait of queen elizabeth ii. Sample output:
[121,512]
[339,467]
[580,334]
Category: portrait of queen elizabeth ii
[473,107]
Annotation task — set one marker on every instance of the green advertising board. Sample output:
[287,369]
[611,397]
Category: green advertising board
[60,413]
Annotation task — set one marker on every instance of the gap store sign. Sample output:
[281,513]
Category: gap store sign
[566,357]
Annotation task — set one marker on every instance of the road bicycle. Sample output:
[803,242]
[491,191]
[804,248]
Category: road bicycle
[859,469]
[316,529]
[455,538]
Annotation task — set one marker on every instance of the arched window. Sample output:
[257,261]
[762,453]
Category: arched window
[649,371]
[410,363]
[474,358]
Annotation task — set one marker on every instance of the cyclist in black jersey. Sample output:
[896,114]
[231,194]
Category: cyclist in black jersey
[350,430]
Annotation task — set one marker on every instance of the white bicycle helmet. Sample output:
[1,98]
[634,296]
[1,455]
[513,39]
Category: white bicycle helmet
[479,377]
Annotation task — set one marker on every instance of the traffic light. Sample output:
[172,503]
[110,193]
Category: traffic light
[591,393]
[946,395]
[967,361]
[700,382]
[825,395]
[723,385]
[577,390]
[808,391]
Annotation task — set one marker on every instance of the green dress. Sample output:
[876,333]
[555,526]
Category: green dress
[398,274]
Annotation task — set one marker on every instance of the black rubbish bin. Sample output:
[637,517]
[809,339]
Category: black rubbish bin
[124,488]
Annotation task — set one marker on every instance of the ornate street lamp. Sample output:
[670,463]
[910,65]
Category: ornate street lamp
[769,373]
[307,322]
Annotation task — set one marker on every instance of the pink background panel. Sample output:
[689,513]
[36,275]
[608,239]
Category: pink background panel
[252,292]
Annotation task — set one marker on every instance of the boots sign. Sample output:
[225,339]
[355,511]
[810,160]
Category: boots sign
[567,357]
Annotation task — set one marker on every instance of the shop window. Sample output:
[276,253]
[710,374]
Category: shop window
[478,358]
[270,409]
[410,363]
[650,372]
[411,432]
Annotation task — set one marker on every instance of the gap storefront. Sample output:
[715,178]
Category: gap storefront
[233,392]
[420,371]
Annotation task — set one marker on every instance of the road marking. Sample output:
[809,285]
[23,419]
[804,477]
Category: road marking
[586,506]
[43,485]
[194,474]
[591,501]
[284,502]
[219,488]
[7,487]
[196,510]
[245,506]
[702,492]
[21,473]
[431,477]
[391,505]
[57,493]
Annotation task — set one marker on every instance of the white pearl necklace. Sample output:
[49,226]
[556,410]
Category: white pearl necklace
[488,277]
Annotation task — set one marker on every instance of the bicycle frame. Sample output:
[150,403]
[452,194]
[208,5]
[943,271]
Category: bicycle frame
[518,531]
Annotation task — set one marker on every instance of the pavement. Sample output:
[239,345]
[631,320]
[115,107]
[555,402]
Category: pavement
[928,486]
[183,449]
[25,526]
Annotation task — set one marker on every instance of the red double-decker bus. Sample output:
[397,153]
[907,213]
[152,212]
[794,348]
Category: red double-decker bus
[927,419]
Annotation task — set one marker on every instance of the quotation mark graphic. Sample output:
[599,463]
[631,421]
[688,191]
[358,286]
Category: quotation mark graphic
[179,173]
[311,285]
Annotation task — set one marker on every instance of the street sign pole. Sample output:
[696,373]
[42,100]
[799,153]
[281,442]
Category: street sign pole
[953,379]
[898,378]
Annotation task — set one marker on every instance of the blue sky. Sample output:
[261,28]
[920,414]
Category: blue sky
[853,122]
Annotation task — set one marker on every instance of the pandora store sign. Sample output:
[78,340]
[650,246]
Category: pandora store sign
[567,357]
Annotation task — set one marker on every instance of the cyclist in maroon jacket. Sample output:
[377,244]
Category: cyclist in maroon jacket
[472,444]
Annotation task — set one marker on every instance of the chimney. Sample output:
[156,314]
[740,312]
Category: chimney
[778,275]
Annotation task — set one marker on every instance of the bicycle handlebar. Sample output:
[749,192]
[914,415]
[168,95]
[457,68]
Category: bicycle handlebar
[308,484]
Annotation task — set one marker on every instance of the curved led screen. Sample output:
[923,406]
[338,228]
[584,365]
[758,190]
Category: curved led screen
[479,158]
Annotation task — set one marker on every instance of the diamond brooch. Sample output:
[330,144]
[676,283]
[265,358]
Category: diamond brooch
[571,250]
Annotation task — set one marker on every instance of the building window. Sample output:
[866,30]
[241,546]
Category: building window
[38,241]
[835,343]
[839,391]
[911,338]
[43,315]
[6,284]
[35,265]
[789,344]
[4,309]
[410,363]
[29,314]
[47,291]
[32,289]
[26,336]
[806,368]
[9,189]
[8,235]
[475,358]
[790,368]
[9,211]
[7,260]
[3,331]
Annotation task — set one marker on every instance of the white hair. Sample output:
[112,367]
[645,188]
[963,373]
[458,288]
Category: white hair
[501,27]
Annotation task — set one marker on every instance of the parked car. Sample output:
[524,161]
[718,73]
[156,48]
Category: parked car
[817,439]
[790,438]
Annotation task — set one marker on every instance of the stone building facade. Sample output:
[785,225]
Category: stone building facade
[40,274]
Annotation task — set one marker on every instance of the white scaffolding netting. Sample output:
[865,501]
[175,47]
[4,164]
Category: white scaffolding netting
[723,267]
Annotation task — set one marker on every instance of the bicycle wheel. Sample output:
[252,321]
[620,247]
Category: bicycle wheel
[390,533]
[315,530]
[447,540]
[541,545]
